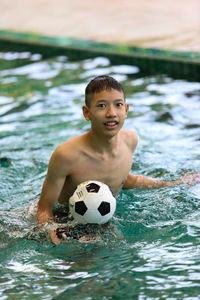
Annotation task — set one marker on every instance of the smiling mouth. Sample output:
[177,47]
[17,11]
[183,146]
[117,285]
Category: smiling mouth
[111,124]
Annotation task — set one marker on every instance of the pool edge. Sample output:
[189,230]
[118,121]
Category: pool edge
[151,61]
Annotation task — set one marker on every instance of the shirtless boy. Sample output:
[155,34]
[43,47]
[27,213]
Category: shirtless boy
[105,153]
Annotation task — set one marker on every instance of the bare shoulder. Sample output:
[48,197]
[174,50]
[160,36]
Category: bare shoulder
[130,138]
[68,151]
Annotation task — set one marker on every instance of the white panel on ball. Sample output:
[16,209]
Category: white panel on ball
[92,202]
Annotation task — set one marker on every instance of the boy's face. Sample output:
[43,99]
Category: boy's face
[107,112]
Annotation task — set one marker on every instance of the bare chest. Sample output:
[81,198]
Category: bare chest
[113,171]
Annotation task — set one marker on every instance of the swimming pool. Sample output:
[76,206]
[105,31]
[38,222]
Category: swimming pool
[158,255]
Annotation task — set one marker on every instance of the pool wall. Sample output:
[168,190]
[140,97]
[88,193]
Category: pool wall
[183,65]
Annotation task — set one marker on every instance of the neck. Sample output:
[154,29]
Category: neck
[103,144]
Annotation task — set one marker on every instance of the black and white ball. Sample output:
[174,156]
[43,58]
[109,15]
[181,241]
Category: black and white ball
[92,202]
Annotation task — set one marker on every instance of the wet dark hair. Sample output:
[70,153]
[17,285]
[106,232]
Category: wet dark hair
[99,84]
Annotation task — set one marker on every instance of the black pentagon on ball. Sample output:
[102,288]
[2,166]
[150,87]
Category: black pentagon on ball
[92,187]
[80,208]
[104,208]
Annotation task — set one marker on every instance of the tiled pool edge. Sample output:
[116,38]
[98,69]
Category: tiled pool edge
[151,61]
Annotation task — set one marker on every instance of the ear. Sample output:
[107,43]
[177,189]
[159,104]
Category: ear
[127,109]
[86,112]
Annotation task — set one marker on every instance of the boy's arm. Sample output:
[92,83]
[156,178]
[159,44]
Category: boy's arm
[51,190]
[140,181]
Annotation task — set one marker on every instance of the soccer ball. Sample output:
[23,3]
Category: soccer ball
[92,202]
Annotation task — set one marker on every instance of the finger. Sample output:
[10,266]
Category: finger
[64,236]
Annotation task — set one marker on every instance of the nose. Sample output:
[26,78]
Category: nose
[110,112]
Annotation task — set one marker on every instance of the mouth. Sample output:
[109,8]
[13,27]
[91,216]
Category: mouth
[111,124]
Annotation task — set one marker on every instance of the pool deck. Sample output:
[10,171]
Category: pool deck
[161,24]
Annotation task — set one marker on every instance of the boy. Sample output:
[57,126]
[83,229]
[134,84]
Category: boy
[105,153]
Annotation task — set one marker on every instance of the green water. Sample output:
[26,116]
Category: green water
[158,255]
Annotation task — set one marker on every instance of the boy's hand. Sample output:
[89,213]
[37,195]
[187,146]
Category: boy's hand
[53,237]
[56,235]
[191,179]
[62,232]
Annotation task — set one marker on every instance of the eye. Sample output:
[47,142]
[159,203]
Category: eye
[101,105]
[119,104]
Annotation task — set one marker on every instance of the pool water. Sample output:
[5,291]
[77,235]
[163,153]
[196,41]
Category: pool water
[158,253]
